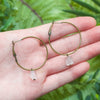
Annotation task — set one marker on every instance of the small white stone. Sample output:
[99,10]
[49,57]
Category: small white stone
[33,75]
[69,61]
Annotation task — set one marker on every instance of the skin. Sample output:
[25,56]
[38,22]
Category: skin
[16,84]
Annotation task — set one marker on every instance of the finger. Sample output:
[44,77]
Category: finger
[57,80]
[58,63]
[69,44]
[59,30]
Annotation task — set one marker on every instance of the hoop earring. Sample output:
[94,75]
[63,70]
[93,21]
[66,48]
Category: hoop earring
[32,71]
[69,60]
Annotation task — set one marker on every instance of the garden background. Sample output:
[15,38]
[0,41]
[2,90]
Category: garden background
[19,14]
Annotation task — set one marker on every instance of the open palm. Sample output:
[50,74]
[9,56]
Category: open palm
[16,84]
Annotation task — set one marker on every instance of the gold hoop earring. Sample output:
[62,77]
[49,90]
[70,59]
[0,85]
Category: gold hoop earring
[33,75]
[69,61]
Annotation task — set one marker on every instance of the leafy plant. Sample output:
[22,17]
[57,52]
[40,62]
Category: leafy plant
[15,14]
[87,9]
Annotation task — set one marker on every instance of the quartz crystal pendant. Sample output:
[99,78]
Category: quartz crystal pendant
[33,75]
[69,61]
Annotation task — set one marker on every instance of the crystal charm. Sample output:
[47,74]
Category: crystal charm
[33,75]
[69,61]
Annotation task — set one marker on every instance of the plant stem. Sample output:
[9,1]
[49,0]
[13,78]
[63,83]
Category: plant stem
[32,10]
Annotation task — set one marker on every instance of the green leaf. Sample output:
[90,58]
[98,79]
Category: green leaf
[79,95]
[7,24]
[6,3]
[97,87]
[78,13]
[96,73]
[88,97]
[86,5]
[1,14]
[90,78]
[96,2]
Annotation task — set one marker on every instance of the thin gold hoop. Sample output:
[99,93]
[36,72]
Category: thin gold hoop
[15,56]
[50,32]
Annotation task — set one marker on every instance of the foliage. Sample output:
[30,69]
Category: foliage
[15,15]
[88,8]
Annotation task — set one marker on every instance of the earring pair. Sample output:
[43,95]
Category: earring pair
[69,61]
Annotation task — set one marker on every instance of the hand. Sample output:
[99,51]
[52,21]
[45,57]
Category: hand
[16,84]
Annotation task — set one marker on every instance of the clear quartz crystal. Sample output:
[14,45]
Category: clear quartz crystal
[33,75]
[69,61]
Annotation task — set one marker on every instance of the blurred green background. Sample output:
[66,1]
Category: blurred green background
[19,14]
